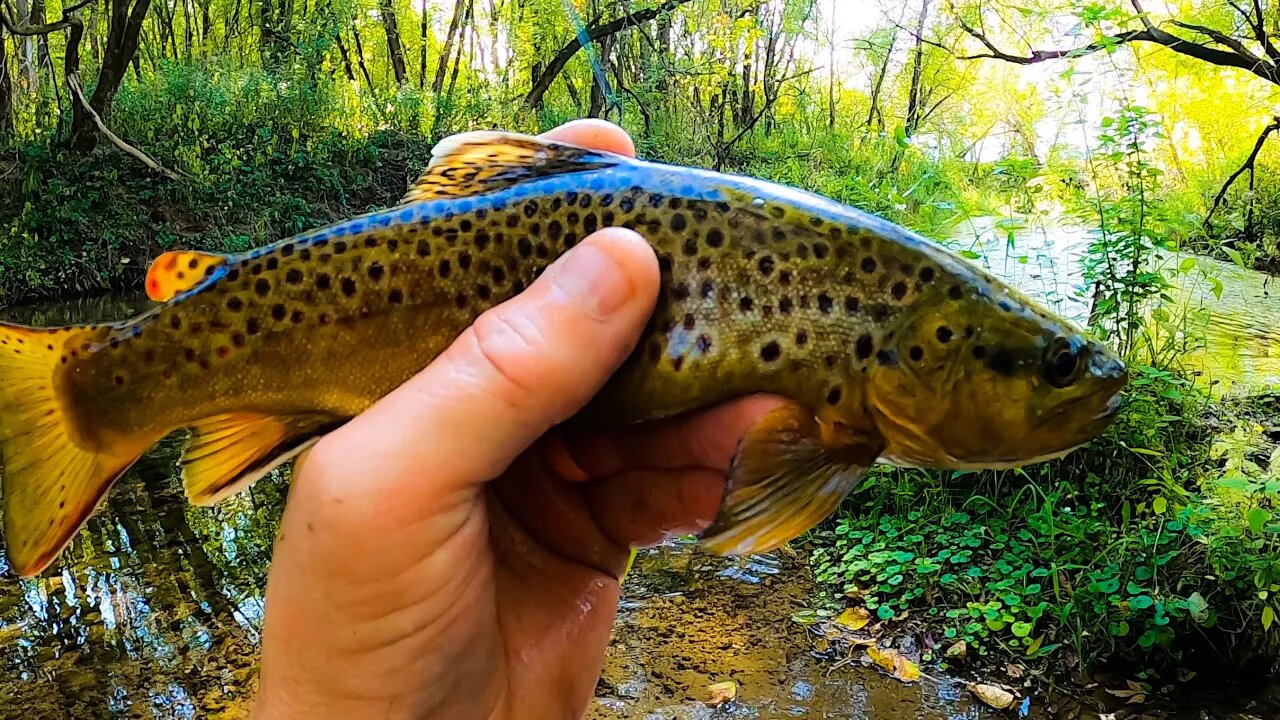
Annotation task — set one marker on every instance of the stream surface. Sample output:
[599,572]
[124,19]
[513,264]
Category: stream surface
[155,610]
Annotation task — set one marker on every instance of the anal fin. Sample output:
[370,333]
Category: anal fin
[178,271]
[790,473]
[227,453]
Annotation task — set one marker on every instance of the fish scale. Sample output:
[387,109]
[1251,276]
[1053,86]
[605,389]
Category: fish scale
[885,345]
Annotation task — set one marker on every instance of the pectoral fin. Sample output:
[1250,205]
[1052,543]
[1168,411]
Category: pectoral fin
[790,473]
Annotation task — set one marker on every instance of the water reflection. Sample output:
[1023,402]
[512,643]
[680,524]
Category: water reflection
[1231,334]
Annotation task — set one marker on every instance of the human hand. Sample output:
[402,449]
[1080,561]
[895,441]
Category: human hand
[444,555]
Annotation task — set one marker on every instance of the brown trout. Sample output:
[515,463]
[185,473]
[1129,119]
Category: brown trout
[889,347]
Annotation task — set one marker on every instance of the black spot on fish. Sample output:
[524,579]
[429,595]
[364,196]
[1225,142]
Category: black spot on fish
[304,255]
[745,304]
[944,334]
[443,270]
[802,338]
[273,263]
[395,297]
[979,352]
[926,274]
[530,209]
[513,220]
[464,260]
[707,289]
[824,303]
[293,277]
[262,287]
[679,222]
[690,247]
[785,305]
[460,300]
[348,286]
[464,225]
[887,358]
[784,277]
[916,353]
[252,326]
[766,265]
[802,251]
[484,292]
[542,251]
[376,271]
[233,275]
[864,347]
[590,223]
[210,270]
[868,264]
[899,290]
[1002,362]
[297,317]
[286,250]
[606,200]
[499,275]
[524,247]
[833,396]
[339,247]
[955,293]
[555,230]
[715,237]
[424,248]
[627,204]
[851,304]
[821,250]
[704,264]
[235,304]
[770,352]
[322,281]
[278,312]
[482,240]
[237,339]
[879,312]
[723,208]
[664,263]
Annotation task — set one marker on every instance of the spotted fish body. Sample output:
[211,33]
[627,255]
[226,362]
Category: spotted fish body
[886,345]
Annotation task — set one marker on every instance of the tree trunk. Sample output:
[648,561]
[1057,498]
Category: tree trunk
[424,33]
[597,93]
[27,46]
[122,44]
[442,66]
[387,13]
[873,113]
[831,70]
[543,81]
[917,69]
[6,90]
[364,69]
[275,17]
[346,57]
[37,18]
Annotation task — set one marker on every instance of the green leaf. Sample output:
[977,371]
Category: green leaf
[1021,629]
[1159,505]
[1257,517]
[1268,617]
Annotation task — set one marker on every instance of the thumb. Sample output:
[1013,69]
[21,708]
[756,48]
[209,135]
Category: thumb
[519,369]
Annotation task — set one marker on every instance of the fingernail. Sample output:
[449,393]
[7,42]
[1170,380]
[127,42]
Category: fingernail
[593,278]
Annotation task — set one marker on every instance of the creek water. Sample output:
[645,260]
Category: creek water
[155,610]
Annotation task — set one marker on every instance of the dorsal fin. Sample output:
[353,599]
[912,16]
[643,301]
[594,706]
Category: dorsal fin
[474,163]
[177,271]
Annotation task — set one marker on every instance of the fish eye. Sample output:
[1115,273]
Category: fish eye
[1061,366]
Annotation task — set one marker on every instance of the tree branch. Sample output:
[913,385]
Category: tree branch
[1151,33]
[1248,165]
[73,82]
[28,30]
[594,33]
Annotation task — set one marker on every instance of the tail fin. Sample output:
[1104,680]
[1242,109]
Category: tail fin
[51,484]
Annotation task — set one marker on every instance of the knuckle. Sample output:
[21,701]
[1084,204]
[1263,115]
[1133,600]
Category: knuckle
[510,347]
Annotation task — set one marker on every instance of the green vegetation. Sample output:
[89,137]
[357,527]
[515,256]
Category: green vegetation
[1149,546]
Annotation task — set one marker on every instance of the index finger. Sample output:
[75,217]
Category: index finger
[705,439]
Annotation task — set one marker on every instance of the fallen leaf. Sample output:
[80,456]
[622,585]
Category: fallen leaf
[854,618]
[895,662]
[993,696]
[958,651]
[1014,671]
[723,692]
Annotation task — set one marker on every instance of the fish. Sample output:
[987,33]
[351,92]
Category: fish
[886,346]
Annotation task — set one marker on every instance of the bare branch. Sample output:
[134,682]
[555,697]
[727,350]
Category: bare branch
[28,30]
[1267,70]
[1218,37]
[73,82]
[1248,165]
